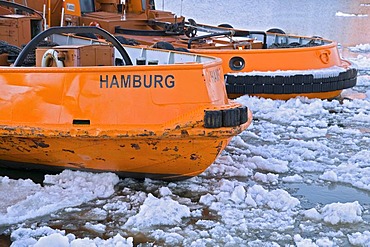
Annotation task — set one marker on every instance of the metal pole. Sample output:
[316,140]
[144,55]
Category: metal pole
[62,17]
[49,13]
[123,4]
[44,14]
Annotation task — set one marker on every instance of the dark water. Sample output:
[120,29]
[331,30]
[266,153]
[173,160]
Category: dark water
[313,194]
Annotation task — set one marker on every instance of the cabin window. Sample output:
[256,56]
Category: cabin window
[151,4]
[87,6]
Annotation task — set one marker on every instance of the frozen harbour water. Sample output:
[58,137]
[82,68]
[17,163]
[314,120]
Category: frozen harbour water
[299,176]
[244,199]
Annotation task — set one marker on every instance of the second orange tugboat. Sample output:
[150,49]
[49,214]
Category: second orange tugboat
[263,63]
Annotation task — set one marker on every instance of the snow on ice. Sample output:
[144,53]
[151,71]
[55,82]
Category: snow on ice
[236,201]
[67,189]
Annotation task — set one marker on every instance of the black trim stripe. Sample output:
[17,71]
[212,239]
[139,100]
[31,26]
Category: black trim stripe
[295,84]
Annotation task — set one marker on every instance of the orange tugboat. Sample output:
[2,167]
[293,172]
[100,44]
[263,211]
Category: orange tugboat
[268,64]
[99,106]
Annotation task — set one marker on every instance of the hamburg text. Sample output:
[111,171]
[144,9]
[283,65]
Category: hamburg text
[137,81]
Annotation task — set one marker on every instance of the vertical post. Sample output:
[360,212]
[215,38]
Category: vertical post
[62,17]
[44,15]
[123,3]
[49,13]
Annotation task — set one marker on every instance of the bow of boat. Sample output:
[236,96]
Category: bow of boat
[95,106]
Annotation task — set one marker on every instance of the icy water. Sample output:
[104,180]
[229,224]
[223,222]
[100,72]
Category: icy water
[342,20]
[299,176]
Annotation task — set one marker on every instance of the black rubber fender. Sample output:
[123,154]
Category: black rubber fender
[275,30]
[8,48]
[225,25]
[125,41]
[181,49]
[164,45]
[297,84]
[192,22]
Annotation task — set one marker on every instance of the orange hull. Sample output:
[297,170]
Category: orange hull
[165,157]
[304,58]
[259,78]
[142,120]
